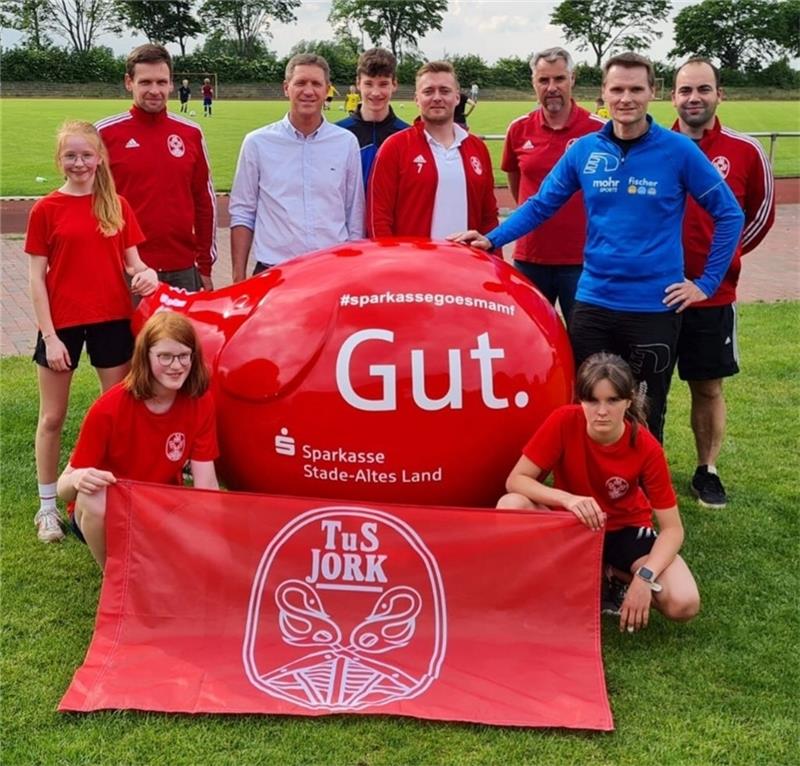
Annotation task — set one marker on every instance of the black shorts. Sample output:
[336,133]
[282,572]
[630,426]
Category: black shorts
[624,546]
[708,347]
[76,530]
[186,279]
[109,344]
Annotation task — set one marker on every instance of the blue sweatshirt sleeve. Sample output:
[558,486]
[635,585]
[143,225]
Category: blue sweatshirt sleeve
[712,192]
[558,186]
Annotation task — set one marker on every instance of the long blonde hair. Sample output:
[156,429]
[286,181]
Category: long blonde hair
[105,202]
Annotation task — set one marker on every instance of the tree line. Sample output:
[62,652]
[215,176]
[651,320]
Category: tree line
[751,40]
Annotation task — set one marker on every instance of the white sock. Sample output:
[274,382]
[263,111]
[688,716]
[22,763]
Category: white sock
[47,497]
[712,469]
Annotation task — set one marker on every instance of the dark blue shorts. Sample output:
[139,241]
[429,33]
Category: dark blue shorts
[624,546]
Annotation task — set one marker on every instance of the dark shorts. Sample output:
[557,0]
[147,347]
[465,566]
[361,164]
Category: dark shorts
[624,546]
[186,279]
[206,101]
[76,530]
[708,347]
[329,99]
[109,344]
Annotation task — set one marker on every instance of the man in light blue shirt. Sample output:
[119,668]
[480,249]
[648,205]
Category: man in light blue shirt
[298,184]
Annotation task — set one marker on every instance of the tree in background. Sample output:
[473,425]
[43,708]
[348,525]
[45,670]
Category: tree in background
[246,21]
[31,17]
[83,21]
[471,68]
[163,21]
[738,33]
[341,55]
[605,26]
[398,23]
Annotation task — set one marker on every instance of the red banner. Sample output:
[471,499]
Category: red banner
[219,602]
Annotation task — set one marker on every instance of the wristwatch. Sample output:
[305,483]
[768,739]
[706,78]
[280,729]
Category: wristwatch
[649,577]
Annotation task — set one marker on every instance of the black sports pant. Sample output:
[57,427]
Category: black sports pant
[647,341]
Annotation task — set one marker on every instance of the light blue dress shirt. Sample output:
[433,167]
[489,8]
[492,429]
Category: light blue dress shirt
[298,193]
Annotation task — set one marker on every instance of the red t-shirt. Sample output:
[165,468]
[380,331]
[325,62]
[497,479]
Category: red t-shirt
[120,434]
[85,269]
[532,148]
[627,482]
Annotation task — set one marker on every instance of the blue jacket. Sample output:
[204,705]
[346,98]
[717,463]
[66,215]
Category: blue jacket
[371,135]
[635,205]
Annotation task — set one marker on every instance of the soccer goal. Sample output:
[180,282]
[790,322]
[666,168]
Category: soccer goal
[659,88]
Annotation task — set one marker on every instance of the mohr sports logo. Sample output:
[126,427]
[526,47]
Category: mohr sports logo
[347,610]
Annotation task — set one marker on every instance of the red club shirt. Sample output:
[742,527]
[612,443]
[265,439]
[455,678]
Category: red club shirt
[627,482]
[532,148]
[159,162]
[120,434]
[85,270]
[403,182]
[744,165]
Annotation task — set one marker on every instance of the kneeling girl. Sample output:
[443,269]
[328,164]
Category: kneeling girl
[145,428]
[611,472]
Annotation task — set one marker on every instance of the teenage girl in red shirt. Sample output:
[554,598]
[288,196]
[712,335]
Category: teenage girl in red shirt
[81,240]
[612,474]
[144,428]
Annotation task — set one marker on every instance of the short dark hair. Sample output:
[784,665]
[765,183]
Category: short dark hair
[698,60]
[149,53]
[377,62]
[437,67]
[307,59]
[629,60]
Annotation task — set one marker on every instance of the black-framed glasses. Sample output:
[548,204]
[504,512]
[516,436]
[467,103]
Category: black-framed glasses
[165,359]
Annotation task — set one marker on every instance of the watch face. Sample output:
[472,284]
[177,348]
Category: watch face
[645,573]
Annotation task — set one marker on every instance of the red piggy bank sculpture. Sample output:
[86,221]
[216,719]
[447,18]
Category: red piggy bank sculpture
[399,370]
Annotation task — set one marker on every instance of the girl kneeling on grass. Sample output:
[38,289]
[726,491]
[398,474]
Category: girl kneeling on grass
[81,239]
[611,473]
[144,428]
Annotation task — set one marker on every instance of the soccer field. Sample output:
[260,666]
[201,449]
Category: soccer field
[28,126]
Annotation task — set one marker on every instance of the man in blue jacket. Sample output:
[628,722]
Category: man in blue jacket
[635,177]
[374,119]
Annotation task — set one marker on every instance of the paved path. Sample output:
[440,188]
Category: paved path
[770,273]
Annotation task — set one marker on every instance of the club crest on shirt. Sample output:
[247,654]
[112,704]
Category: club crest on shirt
[175,446]
[722,164]
[617,487]
[175,145]
[476,165]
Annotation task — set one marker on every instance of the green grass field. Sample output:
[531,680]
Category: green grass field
[721,690]
[27,131]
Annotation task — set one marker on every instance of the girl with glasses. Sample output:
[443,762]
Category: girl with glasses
[145,428]
[81,240]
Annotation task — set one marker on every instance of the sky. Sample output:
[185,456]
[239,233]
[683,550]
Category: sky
[490,28]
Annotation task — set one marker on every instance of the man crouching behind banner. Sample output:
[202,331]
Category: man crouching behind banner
[144,428]
[611,472]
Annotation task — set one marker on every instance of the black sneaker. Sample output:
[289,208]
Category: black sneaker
[612,595]
[708,489]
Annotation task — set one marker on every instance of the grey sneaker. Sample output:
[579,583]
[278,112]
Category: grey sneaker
[612,595]
[708,489]
[48,526]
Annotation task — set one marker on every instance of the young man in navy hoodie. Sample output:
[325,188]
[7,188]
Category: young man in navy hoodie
[374,119]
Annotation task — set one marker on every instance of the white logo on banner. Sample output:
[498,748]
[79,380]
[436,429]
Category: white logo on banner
[336,665]
[175,145]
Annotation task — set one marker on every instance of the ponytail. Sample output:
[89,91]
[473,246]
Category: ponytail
[106,206]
